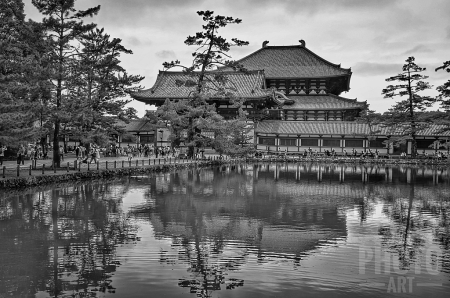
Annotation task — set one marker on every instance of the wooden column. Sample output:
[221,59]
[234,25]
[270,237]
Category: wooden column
[320,143]
[277,143]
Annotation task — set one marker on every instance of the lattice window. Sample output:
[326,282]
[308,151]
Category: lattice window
[287,142]
[422,144]
[267,141]
[310,142]
[331,143]
[354,143]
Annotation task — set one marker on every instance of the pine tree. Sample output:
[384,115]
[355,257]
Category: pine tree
[100,87]
[63,25]
[403,116]
[194,115]
[21,45]
[444,89]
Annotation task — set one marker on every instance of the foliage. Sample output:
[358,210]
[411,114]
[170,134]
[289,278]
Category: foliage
[372,119]
[403,115]
[98,89]
[89,85]
[63,26]
[21,48]
[444,89]
[188,119]
[444,98]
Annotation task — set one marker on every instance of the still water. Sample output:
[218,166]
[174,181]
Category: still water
[262,230]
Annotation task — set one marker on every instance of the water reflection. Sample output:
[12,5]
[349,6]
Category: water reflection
[257,230]
[61,241]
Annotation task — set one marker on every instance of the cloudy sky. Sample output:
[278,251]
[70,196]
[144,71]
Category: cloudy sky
[373,37]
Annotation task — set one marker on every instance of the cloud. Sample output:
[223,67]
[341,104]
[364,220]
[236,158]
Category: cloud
[374,69]
[317,6]
[135,41]
[448,32]
[418,49]
[164,54]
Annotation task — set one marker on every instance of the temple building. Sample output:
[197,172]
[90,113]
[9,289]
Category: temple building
[293,96]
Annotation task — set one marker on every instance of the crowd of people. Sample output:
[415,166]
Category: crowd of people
[32,152]
[131,152]
[90,153]
[354,154]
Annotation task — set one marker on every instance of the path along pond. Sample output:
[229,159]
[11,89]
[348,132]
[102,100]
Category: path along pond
[248,230]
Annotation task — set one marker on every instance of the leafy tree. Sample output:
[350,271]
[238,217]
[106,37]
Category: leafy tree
[444,89]
[403,116]
[64,26]
[194,115]
[444,98]
[100,86]
[373,120]
[21,45]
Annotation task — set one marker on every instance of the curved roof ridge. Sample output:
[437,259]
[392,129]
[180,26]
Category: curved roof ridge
[336,65]
[294,46]
[347,99]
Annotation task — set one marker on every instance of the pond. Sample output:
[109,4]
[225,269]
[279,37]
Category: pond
[247,230]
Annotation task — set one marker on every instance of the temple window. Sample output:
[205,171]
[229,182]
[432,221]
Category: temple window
[331,143]
[310,142]
[354,143]
[266,141]
[423,144]
[287,142]
[377,143]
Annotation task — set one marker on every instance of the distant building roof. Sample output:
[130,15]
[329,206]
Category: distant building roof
[323,102]
[294,61]
[171,85]
[336,128]
[136,125]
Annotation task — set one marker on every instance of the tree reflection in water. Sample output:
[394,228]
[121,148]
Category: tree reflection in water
[221,224]
[62,241]
[185,198]
[410,218]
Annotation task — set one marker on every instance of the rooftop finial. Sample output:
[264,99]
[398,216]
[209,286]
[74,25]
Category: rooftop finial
[265,43]
[302,43]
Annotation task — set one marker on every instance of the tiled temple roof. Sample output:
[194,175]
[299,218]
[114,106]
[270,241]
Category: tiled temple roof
[248,85]
[136,125]
[291,62]
[323,102]
[336,128]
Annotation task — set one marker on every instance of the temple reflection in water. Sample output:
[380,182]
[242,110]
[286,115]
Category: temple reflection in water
[215,228]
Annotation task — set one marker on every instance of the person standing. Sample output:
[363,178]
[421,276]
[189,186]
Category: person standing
[93,155]
[77,152]
[61,153]
[97,154]
[20,154]
[2,153]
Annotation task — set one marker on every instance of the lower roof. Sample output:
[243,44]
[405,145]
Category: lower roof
[323,102]
[337,128]
[218,84]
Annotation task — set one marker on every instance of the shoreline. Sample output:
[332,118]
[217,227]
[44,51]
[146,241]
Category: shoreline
[20,183]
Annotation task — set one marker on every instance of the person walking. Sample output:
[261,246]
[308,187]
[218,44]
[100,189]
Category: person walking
[2,153]
[20,154]
[77,152]
[93,155]
[97,154]
[130,153]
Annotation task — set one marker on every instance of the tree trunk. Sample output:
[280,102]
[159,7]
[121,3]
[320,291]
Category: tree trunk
[56,157]
[411,115]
